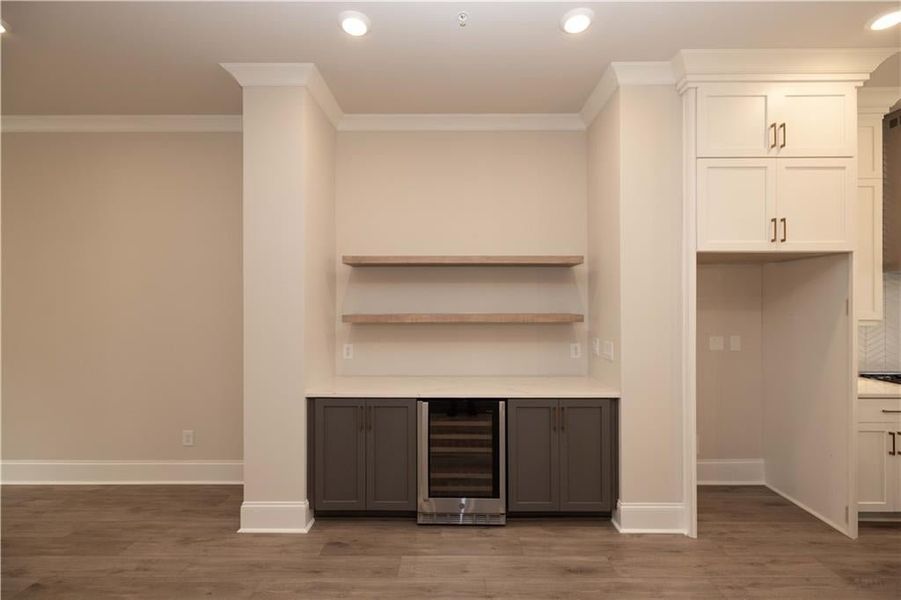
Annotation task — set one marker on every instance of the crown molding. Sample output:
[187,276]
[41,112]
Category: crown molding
[120,123]
[625,74]
[877,100]
[288,75]
[807,64]
[462,122]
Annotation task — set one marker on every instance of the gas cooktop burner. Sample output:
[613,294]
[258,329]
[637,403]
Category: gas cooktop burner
[886,377]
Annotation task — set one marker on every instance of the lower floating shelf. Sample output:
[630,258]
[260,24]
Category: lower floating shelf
[464,318]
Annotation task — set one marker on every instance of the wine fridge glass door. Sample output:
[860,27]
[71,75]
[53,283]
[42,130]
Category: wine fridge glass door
[463,449]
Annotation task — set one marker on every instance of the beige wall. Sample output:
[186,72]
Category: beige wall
[461,193]
[651,218]
[121,296]
[730,382]
[604,149]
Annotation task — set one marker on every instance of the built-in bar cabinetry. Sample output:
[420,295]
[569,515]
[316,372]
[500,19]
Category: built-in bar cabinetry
[364,454]
[561,455]
[776,168]
[879,455]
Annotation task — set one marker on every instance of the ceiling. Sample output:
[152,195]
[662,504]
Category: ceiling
[163,57]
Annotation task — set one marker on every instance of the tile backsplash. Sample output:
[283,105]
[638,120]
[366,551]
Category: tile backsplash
[880,345]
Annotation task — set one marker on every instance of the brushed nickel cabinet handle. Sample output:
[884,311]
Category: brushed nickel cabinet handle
[773,220]
[784,135]
[784,229]
[775,135]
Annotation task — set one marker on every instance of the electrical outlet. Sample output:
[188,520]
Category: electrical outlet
[575,350]
[716,343]
[187,437]
[348,351]
[735,343]
[596,346]
[608,350]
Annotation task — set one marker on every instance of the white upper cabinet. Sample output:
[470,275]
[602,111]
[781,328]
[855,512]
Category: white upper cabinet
[777,119]
[736,204]
[769,204]
[736,120]
[815,199]
[815,119]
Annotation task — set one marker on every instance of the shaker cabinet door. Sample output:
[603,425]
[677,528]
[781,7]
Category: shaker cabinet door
[817,119]
[391,455]
[586,455]
[533,446]
[339,455]
[736,204]
[735,120]
[814,201]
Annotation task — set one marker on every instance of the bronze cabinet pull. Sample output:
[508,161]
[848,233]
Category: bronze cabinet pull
[775,135]
[371,418]
[362,417]
[773,239]
[562,418]
[784,135]
[784,229]
[892,452]
[554,418]
[890,412]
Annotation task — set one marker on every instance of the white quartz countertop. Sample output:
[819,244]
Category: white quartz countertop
[869,388]
[462,387]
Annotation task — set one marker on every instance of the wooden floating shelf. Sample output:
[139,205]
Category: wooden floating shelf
[464,318]
[463,261]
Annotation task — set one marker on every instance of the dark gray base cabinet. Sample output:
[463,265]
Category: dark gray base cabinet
[561,455]
[364,455]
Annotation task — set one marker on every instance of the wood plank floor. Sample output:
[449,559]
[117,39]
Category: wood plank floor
[180,542]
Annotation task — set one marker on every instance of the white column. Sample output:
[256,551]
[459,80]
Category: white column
[276,99]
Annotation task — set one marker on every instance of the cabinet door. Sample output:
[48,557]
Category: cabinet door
[814,203]
[533,456]
[877,468]
[391,454]
[340,455]
[586,455]
[869,146]
[868,255]
[735,120]
[820,120]
[736,204]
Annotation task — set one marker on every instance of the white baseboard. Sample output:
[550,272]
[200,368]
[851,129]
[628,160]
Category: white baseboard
[650,517]
[801,505]
[730,471]
[120,472]
[276,517]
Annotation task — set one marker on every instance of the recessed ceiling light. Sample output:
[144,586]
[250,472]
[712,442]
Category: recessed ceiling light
[354,23]
[3,27]
[887,20]
[577,20]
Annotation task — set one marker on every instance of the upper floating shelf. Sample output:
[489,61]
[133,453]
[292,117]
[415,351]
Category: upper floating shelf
[541,260]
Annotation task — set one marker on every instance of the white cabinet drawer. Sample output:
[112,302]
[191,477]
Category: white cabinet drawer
[879,410]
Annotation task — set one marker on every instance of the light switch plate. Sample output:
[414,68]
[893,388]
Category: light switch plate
[575,350]
[348,351]
[716,343]
[735,343]
[596,346]
[187,437]
[608,350]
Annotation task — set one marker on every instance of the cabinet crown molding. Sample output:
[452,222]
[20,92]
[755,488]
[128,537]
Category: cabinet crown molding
[288,75]
[806,64]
